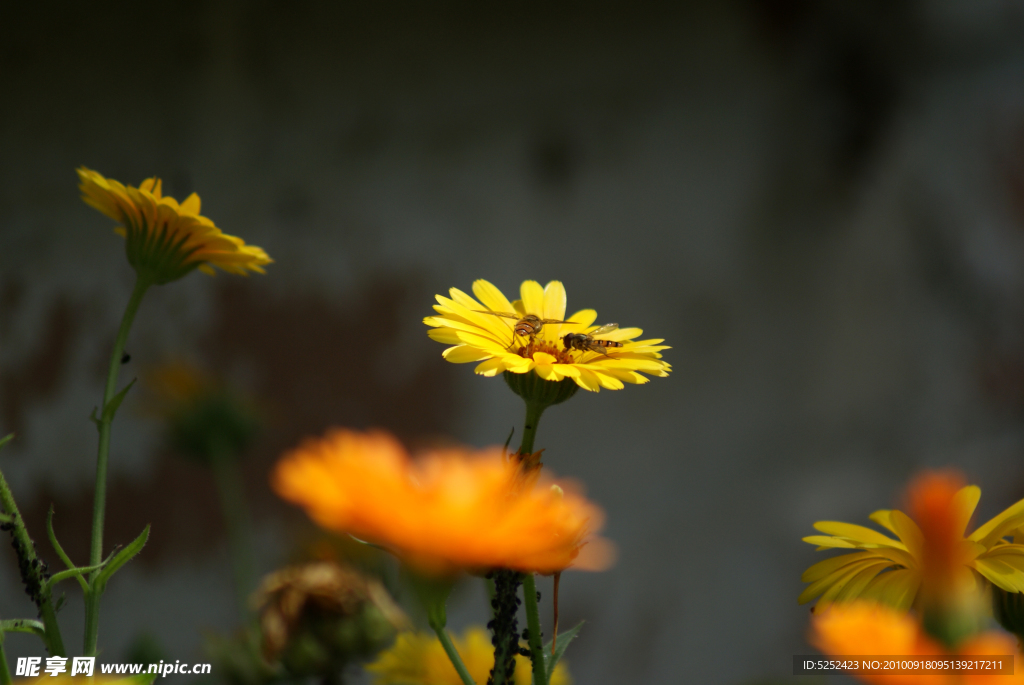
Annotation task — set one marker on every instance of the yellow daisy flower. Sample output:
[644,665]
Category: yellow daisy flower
[929,548]
[165,239]
[419,659]
[532,334]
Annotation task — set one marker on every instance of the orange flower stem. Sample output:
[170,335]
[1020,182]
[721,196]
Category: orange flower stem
[99,502]
[540,676]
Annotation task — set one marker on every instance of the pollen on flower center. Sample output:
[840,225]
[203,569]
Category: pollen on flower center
[561,356]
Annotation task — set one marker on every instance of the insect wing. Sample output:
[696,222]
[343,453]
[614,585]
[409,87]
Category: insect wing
[601,330]
[507,315]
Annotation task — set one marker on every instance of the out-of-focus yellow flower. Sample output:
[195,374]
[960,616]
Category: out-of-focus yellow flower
[206,419]
[419,659]
[446,509]
[866,628]
[930,549]
[164,239]
[484,330]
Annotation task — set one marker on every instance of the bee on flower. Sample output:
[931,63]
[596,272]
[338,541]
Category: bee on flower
[532,335]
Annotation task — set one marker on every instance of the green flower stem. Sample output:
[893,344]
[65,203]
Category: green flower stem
[5,673]
[236,519]
[453,654]
[533,412]
[32,571]
[99,502]
[533,626]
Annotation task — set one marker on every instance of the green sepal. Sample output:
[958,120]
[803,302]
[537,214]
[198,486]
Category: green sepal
[536,390]
[367,543]
[551,660]
[433,595]
[119,560]
[22,625]
[6,439]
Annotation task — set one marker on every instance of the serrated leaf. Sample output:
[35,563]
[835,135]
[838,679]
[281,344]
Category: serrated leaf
[551,660]
[119,560]
[115,402]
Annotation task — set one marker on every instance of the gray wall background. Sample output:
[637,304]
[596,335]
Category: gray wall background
[819,205]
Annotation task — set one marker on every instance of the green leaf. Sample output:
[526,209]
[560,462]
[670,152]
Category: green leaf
[551,660]
[22,625]
[115,402]
[70,573]
[119,560]
[60,550]
[6,439]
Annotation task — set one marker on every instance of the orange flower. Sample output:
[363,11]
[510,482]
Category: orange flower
[445,510]
[935,507]
[864,628]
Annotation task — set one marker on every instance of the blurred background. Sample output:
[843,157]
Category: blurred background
[820,205]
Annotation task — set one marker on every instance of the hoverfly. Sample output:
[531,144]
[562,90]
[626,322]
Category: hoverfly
[527,326]
[586,342]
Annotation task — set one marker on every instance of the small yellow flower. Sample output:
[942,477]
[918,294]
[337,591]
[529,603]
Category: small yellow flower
[164,239]
[484,330]
[419,659]
[929,548]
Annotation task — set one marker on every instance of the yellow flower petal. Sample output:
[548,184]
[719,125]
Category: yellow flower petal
[533,298]
[554,301]
[491,297]
[857,533]
[464,354]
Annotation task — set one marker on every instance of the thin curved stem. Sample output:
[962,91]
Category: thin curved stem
[540,676]
[453,654]
[99,502]
[236,520]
